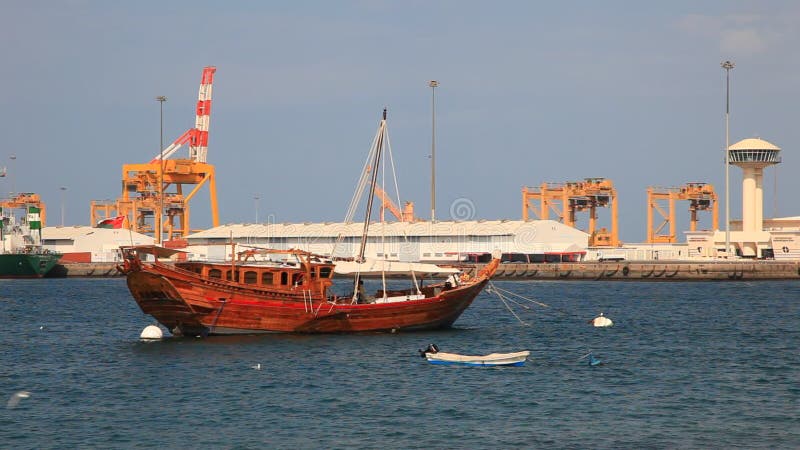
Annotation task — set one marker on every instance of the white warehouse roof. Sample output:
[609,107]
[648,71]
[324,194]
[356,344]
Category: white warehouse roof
[92,233]
[79,239]
[535,229]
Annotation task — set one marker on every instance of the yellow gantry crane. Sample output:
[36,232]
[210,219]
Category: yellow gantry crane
[26,200]
[701,197]
[155,195]
[567,199]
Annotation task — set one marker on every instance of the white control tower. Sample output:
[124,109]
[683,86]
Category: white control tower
[753,155]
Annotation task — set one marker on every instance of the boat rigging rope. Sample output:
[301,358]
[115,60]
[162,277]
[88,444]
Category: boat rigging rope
[359,191]
[503,299]
[383,222]
[414,280]
[501,291]
[370,201]
[518,303]
[507,292]
[362,182]
[369,174]
[390,156]
[394,173]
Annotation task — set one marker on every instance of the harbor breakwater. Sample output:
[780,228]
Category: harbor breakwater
[593,270]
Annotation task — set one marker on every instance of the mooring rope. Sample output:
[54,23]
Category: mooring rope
[507,292]
[503,299]
[492,288]
[500,291]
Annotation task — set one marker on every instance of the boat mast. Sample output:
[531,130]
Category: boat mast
[433,84]
[371,197]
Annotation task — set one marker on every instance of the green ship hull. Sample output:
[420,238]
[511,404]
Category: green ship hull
[27,265]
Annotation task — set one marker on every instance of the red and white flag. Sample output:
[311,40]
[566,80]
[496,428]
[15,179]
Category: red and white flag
[112,222]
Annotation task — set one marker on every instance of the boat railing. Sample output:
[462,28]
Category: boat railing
[246,254]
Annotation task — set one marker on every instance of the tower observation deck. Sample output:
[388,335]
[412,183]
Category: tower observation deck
[753,155]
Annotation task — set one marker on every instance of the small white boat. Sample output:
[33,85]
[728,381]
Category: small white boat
[492,359]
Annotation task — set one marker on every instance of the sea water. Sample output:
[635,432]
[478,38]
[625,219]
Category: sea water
[686,365]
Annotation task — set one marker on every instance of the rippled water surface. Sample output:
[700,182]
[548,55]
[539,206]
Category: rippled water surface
[687,365]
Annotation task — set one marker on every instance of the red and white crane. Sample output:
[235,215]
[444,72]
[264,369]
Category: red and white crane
[196,137]
[156,195]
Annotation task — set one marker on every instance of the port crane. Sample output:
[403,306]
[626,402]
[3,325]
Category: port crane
[406,215]
[567,199]
[701,197]
[156,195]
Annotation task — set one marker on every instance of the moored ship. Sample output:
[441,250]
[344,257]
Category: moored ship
[21,252]
[27,265]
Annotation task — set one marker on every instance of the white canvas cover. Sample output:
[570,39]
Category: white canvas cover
[378,266]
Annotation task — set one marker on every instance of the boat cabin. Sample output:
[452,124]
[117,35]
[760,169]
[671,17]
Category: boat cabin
[307,272]
[313,276]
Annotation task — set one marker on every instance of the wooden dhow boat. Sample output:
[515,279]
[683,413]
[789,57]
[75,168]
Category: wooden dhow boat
[288,290]
[290,295]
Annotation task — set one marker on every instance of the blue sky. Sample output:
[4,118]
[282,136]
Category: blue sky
[529,92]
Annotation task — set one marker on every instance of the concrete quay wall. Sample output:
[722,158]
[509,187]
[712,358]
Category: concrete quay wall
[651,271]
[105,269]
[601,271]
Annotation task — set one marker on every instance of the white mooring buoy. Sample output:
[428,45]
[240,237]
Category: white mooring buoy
[601,321]
[152,332]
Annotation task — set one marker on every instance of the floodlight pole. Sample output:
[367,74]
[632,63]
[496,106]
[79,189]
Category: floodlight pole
[13,158]
[63,190]
[433,84]
[727,65]
[161,99]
